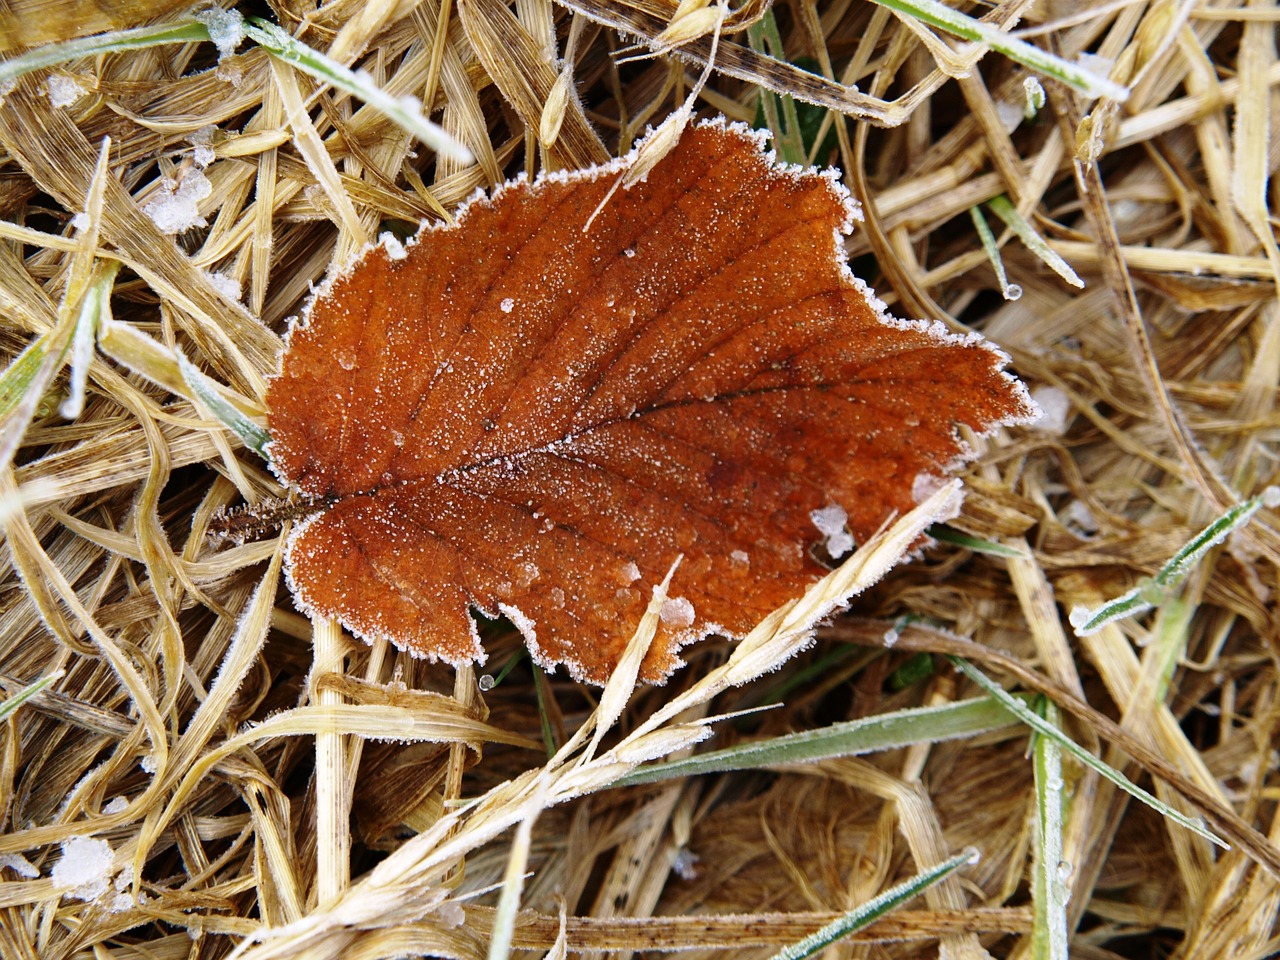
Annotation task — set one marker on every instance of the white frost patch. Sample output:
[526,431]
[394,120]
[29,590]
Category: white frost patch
[830,521]
[1035,97]
[81,221]
[1055,408]
[115,805]
[740,557]
[1079,616]
[148,763]
[230,72]
[451,914]
[226,29]
[924,486]
[391,243]
[225,284]
[676,612]
[631,571]
[507,305]
[124,899]
[84,871]
[685,865]
[19,865]
[202,140]
[177,208]
[63,90]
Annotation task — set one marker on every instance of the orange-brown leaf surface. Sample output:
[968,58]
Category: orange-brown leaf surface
[524,416]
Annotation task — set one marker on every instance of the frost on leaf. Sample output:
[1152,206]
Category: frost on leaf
[677,612]
[830,521]
[694,375]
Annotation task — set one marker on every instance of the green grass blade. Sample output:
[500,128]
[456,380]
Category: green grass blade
[1049,887]
[1037,723]
[186,31]
[1010,291]
[951,21]
[1035,100]
[1007,212]
[24,383]
[1151,593]
[887,731]
[1186,559]
[764,38]
[945,534]
[95,312]
[204,389]
[406,112]
[874,908]
[10,706]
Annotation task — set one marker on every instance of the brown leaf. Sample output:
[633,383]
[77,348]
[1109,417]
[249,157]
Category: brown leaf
[522,417]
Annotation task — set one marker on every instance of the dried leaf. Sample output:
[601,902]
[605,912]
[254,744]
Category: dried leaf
[525,417]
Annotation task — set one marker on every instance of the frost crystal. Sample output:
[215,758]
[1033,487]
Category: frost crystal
[63,90]
[518,618]
[226,29]
[202,140]
[676,612]
[1079,616]
[451,914]
[85,868]
[19,865]
[507,305]
[394,247]
[177,209]
[685,865]
[830,521]
[226,285]
[124,899]
[1056,408]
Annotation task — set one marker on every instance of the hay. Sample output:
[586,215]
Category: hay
[267,786]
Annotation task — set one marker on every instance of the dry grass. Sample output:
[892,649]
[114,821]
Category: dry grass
[218,742]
